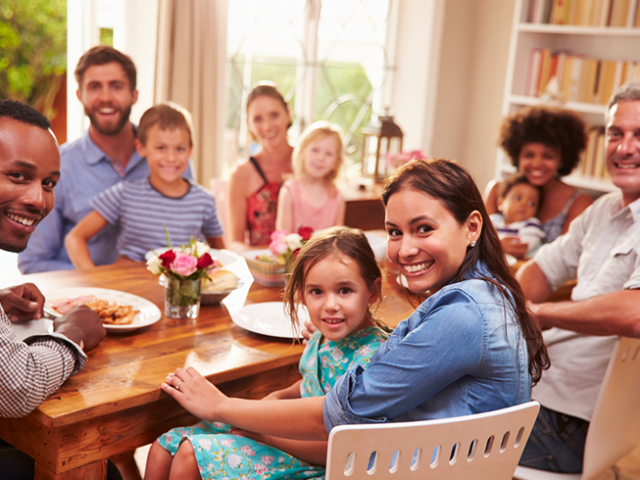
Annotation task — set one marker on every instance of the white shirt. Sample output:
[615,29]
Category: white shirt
[602,251]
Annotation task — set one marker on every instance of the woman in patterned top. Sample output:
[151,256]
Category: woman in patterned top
[544,144]
[255,184]
[336,277]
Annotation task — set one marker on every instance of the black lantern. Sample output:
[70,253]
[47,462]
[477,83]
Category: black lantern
[380,137]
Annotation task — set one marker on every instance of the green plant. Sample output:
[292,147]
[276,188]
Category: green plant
[33,51]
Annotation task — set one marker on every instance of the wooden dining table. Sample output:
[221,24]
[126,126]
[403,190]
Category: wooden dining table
[115,404]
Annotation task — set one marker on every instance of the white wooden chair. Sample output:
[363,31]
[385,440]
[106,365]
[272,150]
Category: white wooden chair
[614,430]
[485,446]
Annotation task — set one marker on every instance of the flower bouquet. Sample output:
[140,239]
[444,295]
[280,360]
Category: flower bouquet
[184,268]
[395,160]
[271,267]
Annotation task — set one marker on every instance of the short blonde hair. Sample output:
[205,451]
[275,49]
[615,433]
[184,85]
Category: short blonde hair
[314,132]
[168,116]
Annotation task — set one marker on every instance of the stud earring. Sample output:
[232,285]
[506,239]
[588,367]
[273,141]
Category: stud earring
[472,244]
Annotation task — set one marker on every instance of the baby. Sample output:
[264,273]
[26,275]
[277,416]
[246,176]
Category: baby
[518,203]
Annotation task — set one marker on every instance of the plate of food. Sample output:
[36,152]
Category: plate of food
[120,311]
[268,318]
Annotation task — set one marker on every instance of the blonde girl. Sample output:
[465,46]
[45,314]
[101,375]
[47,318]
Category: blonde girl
[336,277]
[311,198]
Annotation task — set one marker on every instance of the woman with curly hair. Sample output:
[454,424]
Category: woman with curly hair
[544,144]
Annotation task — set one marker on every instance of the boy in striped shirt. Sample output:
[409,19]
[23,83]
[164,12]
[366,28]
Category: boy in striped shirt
[144,208]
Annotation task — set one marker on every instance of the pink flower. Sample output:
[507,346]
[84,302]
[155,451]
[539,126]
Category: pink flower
[246,449]
[278,246]
[184,264]
[266,459]
[395,160]
[259,468]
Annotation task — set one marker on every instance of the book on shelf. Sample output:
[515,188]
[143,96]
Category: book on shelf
[575,78]
[593,160]
[594,13]
[600,162]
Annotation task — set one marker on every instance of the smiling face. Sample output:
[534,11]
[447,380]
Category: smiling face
[425,240]
[539,163]
[320,157]
[107,97]
[167,152]
[29,171]
[520,203]
[268,121]
[337,296]
[623,148]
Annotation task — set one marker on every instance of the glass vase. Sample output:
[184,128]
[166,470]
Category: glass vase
[182,298]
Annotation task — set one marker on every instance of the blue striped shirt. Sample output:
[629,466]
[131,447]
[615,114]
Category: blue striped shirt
[143,213]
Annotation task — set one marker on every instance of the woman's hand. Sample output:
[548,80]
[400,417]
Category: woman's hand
[194,392]
[513,246]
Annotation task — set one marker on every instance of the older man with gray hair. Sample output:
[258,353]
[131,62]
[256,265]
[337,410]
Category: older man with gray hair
[602,251]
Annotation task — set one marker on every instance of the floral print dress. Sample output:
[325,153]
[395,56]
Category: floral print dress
[221,455]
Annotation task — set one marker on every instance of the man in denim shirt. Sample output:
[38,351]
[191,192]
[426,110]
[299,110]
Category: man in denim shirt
[102,157]
[602,250]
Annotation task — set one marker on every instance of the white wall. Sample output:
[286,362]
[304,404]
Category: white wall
[415,80]
[135,26]
[473,63]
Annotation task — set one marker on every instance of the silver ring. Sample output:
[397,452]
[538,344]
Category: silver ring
[177,387]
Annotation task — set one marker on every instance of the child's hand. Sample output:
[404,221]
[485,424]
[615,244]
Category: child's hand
[194,393]
[513,246]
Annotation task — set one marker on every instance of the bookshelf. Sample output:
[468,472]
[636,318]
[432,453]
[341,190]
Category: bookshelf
[606,44]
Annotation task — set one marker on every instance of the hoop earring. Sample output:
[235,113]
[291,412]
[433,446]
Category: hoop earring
[472,244]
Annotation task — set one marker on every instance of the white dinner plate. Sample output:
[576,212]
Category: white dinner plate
[148,313]
[268,318]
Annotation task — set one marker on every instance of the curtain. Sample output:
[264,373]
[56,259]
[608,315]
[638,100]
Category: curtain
[190,67]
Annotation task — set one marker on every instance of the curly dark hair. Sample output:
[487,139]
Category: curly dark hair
[23,113]
[553,127]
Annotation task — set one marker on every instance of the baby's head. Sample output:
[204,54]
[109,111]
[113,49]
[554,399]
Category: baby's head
[518,200]
[319,151]
[336,276]
[165,138]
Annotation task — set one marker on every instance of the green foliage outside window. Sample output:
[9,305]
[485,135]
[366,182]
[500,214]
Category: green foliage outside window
[33,51]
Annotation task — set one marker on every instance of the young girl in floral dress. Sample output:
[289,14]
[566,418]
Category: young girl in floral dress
[336,277]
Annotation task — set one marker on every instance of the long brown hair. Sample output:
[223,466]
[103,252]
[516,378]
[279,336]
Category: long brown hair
[448,182]
[342,241]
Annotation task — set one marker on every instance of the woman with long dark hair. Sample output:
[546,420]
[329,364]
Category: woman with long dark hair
[470,347]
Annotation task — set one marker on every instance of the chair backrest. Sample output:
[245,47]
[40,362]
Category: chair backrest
[483,446]
[219,188]
[614,430]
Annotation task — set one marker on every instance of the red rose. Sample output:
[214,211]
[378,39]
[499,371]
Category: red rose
[205,261]
[167,258]
[305,232]
[295,253]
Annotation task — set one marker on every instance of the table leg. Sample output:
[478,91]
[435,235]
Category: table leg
[93,471]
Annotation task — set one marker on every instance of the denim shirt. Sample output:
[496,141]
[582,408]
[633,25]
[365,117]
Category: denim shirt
[461,352]
[85,171]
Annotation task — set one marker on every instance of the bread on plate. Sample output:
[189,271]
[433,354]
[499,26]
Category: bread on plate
[220,280]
